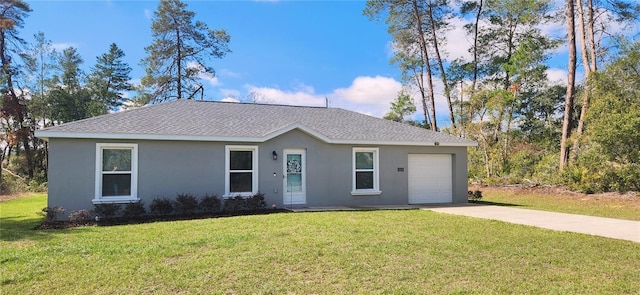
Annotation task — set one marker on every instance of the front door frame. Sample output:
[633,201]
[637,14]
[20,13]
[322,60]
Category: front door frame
[297,198]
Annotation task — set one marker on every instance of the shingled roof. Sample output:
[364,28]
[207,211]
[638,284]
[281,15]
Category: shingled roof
[243,122]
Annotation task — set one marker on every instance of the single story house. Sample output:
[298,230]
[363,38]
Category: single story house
[296,156]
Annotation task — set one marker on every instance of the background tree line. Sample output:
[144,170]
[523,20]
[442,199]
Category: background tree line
[584,134]
[41,86]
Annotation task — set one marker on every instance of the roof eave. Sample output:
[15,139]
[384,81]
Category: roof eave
[131,136]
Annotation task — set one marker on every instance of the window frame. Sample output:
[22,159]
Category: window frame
[133,196]
[376,171]
[227,170]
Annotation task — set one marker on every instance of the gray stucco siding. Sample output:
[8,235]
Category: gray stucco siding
[71,174]
[166,168]
[329,171]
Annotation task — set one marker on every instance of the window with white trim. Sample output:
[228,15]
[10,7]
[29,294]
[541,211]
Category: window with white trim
[241,170]
[365,172]
[116,173]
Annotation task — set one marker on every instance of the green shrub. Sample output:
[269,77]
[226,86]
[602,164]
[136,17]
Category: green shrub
[624,178]
[134,210]
[37,187]
[255,202]
[238,203]
[234,204]
[474,195]
[106,211]
[161,206]
[547,169]
[210,204]
[186,204]
[11,184]
[520,165]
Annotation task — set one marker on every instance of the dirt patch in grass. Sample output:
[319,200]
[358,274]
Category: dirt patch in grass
[559,192]
[4,198]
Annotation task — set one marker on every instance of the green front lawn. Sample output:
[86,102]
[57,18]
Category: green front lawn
[409,251]
[611,205]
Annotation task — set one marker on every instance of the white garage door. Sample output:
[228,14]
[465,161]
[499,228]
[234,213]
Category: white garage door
[430,178]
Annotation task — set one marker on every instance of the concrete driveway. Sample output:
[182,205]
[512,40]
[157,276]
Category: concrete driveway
[598,226]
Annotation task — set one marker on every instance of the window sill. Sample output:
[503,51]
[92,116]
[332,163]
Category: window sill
[366,193]
[115,200]
[233,195]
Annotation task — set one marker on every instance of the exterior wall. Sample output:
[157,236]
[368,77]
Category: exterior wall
[71,174]
[166,168]
[329,171]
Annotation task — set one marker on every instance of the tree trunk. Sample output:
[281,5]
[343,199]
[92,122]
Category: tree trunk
[475,48]
[425,58]
[420,81]
[443,74]
[592,37]
[484,145]
[1,160]
[505,148]
[588,54]
[179,64]
[584,54]
[571,78]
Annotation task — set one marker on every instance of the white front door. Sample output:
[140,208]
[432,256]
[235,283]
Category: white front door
[294,165]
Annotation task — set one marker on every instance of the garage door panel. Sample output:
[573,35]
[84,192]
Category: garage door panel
[430,178]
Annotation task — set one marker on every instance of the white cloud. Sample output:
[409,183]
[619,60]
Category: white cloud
[230,99]
[456,46]
[212,79]
[370,90]
[230,92]
[367,95]
[304,88]
[557,76]
[458,42]
[555,29]
[286,97]
[442,107]
[63,46]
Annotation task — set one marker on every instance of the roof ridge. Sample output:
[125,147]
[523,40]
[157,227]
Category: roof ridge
[260,104]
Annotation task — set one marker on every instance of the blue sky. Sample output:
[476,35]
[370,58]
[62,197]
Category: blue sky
[291,52]
[307,50]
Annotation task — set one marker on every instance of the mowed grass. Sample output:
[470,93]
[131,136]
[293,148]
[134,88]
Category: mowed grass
[612,205]
[365,252]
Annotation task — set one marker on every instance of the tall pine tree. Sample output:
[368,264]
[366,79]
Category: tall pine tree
[70,99]
[12,105]
[180,48]
[110,78]
[40,65]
